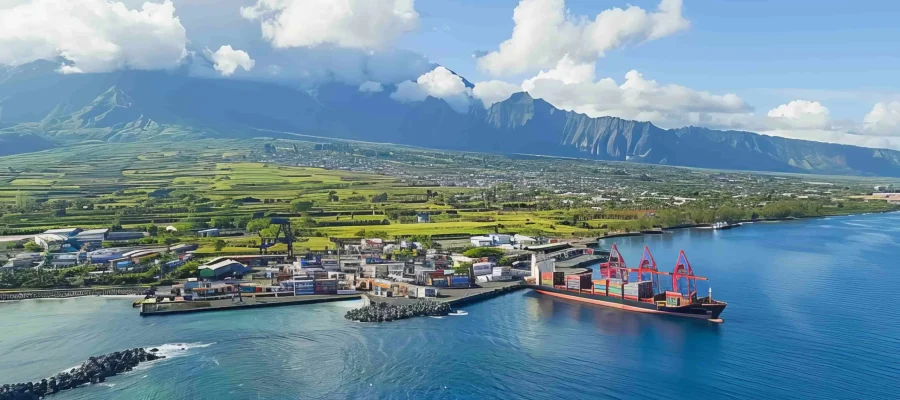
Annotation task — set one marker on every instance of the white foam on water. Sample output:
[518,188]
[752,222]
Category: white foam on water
[174,350]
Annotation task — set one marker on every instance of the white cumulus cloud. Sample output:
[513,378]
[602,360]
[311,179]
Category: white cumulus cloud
[572,87]
[370,86]
[343,23]
[93,35]
[545,33]
[440,83]
[226,60]
[883,120]
[491,92]
[800,114]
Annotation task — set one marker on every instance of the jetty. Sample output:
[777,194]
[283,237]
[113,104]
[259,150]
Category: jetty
[242,303]
[67,293]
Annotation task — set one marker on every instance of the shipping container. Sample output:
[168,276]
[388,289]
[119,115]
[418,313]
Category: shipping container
[460,281]
[304,287]
[583,281]
[442,282]
[559,278]
[482,268]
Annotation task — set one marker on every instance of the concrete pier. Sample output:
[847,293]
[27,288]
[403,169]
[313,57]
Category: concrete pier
[249,302]
[458,297]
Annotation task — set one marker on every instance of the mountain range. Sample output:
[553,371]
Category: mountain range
[41,109]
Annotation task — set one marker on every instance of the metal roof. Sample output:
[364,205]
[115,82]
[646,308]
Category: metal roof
[220,264]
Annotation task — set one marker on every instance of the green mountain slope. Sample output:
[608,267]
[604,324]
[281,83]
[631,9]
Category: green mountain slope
[40,108]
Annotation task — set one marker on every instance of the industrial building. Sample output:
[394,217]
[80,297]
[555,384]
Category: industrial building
[223,269]
[75,239]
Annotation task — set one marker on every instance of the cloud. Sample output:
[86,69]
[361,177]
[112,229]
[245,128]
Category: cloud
[491,92]
[92,35]
[571,86]
[883,120]
[369,86]
[226,60]
[343,23]
[836,136]
[439,83]
[545,33]
[800,114]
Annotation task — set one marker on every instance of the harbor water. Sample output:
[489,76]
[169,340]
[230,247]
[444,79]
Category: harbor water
[812,314]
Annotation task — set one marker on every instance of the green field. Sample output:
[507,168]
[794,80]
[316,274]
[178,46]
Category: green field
[222,183]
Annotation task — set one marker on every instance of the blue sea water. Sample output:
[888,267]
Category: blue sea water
[813,314]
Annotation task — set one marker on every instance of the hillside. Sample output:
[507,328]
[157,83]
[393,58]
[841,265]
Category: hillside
[40,108]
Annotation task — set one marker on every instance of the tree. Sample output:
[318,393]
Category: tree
[380,198]
[152,230]
[220,244]
[241,222]
[221,222]
[480,252]
[259,224]
[301,205]
[33,247]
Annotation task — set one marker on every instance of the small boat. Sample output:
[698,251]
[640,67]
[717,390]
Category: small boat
[458,313]
[721,226]
[643,294]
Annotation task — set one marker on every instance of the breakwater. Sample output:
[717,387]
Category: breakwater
[94,370]
[383,312]
[66,293]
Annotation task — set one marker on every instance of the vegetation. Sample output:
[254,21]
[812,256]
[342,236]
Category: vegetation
[481,252]
[175,189]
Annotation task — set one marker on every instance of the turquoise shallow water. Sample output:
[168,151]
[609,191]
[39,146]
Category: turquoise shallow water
[811,315]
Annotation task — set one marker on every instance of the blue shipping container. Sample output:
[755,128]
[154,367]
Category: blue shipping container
[460,281]
[304,287]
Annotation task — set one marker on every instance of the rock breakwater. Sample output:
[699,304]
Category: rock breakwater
[382,312]
[94,370]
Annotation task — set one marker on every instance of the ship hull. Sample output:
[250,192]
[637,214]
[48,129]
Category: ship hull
[699,310]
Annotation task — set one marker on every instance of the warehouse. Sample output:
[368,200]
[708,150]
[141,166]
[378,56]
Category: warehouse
[91,238]
[223,269]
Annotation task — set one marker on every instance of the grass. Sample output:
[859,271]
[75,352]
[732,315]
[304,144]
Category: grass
[118,179]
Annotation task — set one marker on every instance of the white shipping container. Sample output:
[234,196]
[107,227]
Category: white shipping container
[482,268]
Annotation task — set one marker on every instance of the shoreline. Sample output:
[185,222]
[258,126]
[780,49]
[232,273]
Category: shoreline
[743,221]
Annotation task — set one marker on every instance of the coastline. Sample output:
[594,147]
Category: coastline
[744,221]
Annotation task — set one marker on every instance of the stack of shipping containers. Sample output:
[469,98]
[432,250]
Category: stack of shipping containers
[304,287]
[578,282]
[460,281]
[638,290]
[614,287]
[501,274]
[557,278]
[326,286]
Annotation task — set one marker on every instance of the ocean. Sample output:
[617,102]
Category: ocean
[811,314]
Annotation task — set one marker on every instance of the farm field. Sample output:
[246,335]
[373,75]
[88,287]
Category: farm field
[179,188]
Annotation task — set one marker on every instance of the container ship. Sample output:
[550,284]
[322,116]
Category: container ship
[635,289]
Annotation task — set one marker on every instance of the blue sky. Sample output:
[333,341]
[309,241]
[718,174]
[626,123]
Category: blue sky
[819,70]
[757,49]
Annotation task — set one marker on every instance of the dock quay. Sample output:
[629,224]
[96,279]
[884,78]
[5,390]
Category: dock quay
[249,302]
[581,261]
[67,293]
[458,297]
